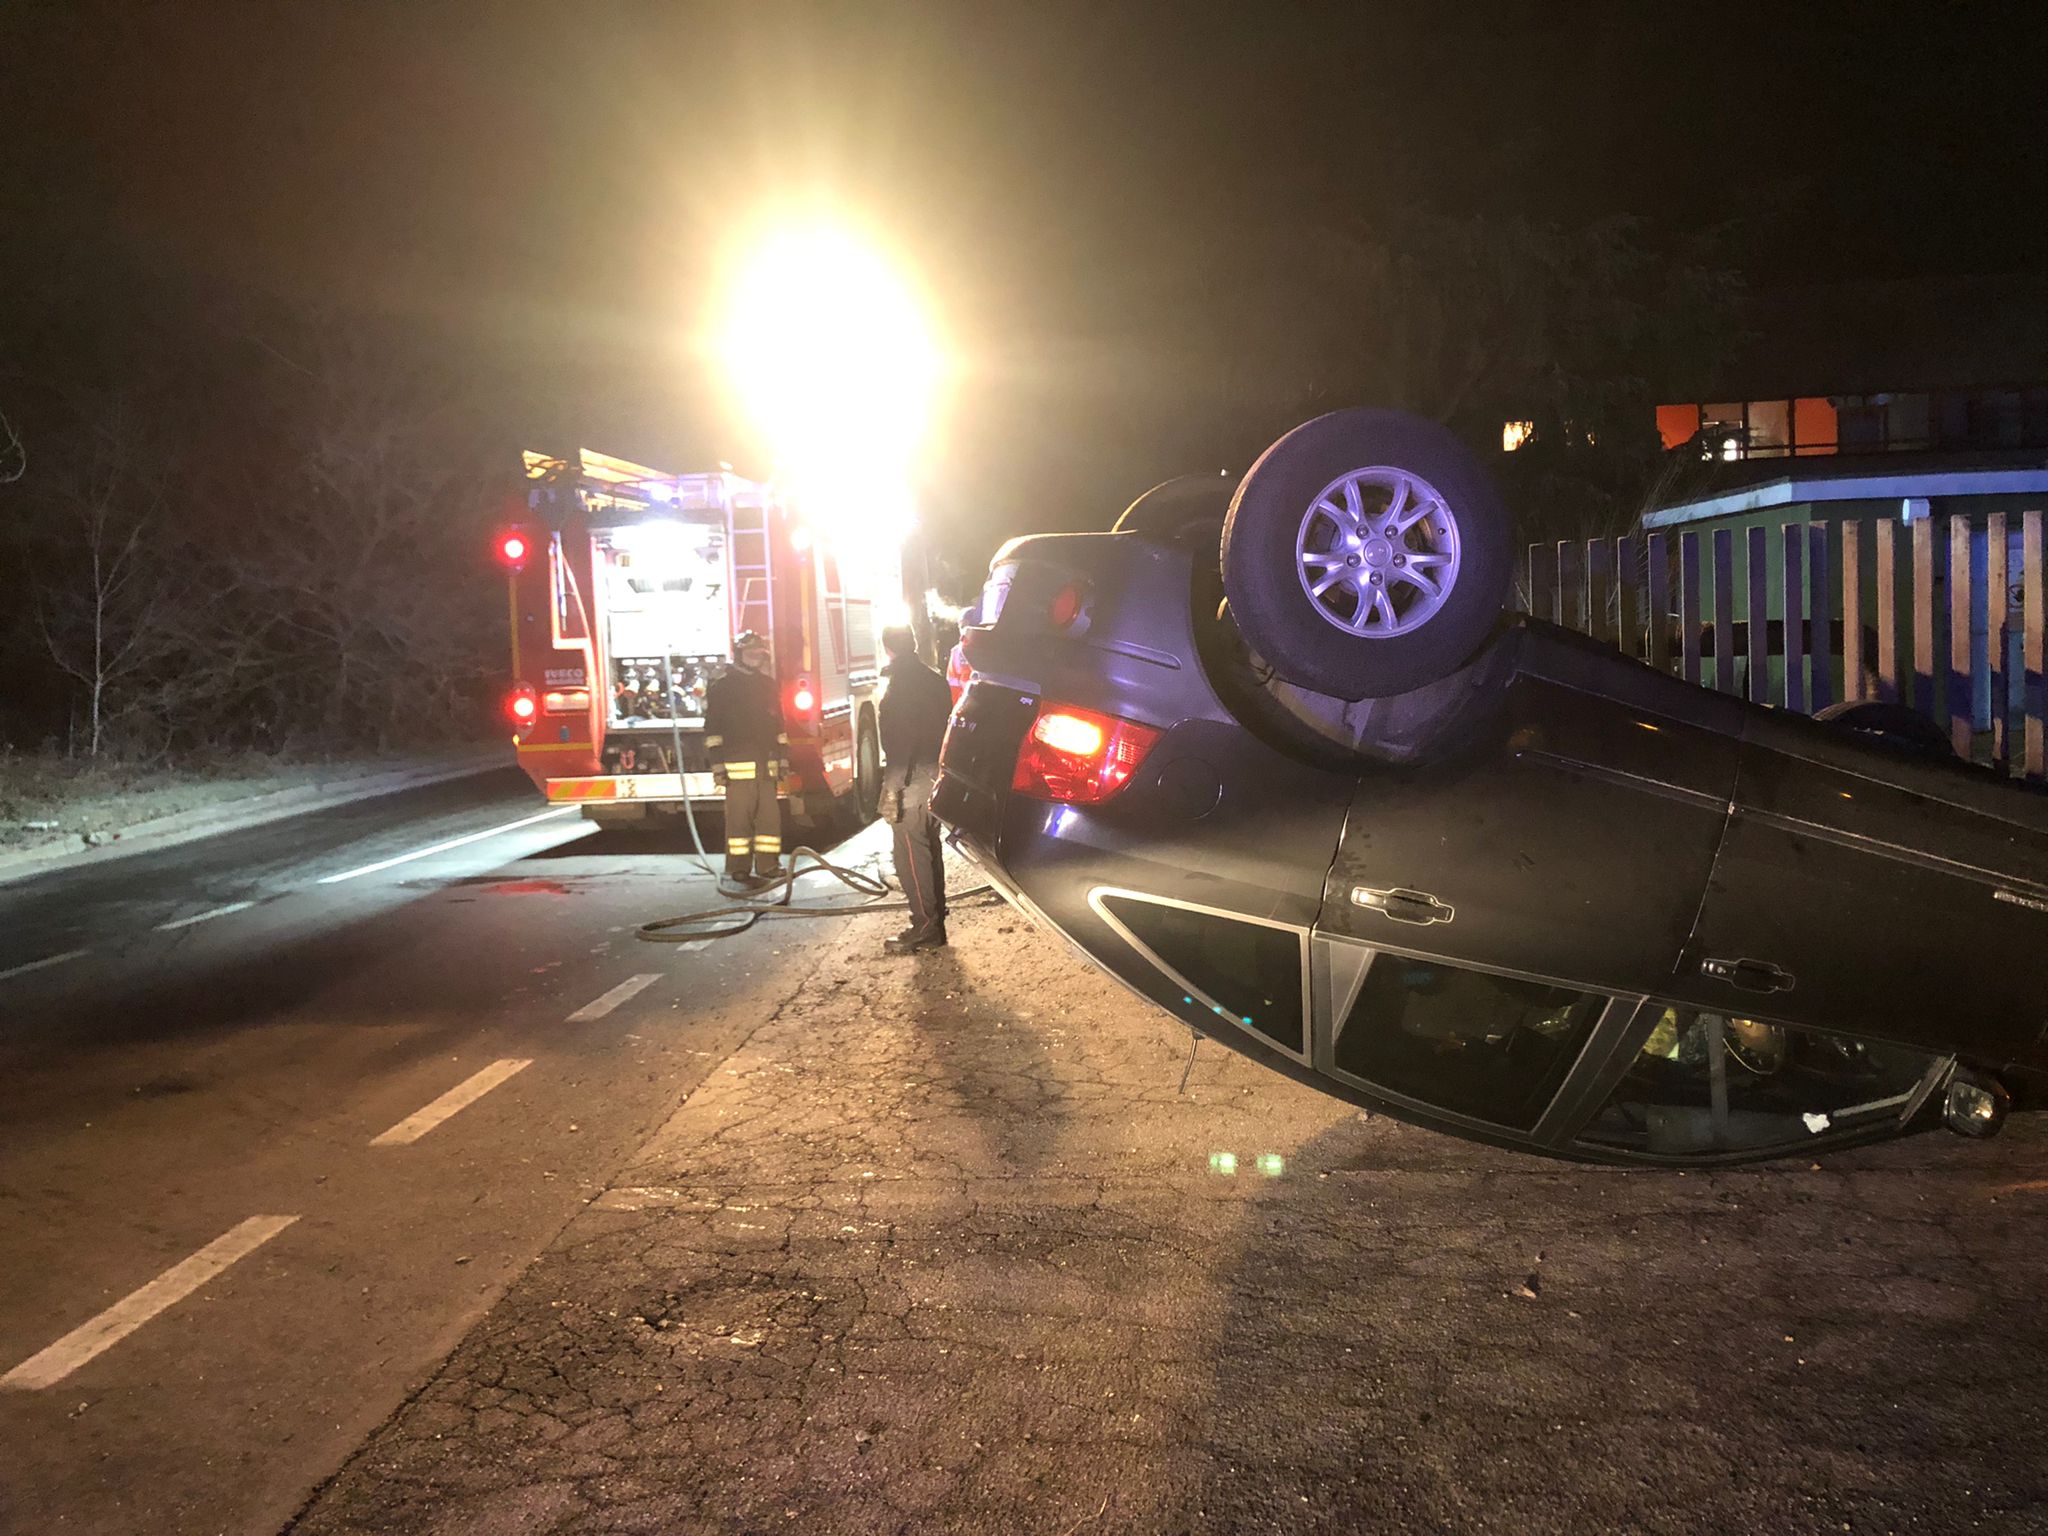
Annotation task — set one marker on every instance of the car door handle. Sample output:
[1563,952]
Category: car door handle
[1749,975]
[1403,906]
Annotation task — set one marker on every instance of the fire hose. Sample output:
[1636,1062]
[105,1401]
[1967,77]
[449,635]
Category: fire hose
[871,888]
[872,892]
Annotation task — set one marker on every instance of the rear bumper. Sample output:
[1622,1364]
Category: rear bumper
[639,788]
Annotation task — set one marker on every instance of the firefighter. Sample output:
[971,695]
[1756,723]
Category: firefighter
[913,719]
[743,733]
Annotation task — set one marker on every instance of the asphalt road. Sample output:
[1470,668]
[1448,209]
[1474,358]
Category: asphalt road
[944,1248]
[195,1039]
[799,1237]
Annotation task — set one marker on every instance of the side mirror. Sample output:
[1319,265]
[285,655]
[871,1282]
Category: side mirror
[1976,1103]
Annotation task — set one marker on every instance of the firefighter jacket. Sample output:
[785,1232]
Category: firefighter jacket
[743,719]
[915,707]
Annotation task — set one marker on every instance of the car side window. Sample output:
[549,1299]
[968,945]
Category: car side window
[1709,1082]
[1490,1047]
[1250,973]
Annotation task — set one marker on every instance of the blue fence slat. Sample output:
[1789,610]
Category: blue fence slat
[1792,538]
[1820,591]
[1724,610]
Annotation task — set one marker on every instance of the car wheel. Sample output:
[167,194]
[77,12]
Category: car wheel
[1366,554]
[1891,723]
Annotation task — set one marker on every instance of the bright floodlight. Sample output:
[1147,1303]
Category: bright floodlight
[834,361]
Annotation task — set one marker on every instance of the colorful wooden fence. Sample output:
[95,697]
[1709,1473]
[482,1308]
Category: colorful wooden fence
[1947,617]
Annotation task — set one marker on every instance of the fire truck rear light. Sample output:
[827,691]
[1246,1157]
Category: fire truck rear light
[803,700]
[568,701]
[1078,757]
[521,705]
[512,550]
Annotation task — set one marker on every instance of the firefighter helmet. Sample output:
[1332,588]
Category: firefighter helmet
[748,640]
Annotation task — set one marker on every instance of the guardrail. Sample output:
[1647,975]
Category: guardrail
[1949,617]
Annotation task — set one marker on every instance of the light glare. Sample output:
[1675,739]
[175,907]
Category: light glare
[833,359]
[1070,734]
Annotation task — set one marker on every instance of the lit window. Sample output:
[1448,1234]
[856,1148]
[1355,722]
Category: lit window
[1515,433]
[1813,425]
[1677,425]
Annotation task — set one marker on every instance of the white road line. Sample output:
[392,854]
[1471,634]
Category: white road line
[37,965]
[455,842]
[132,1311]
[202,917]
[461,1096]
[625,991]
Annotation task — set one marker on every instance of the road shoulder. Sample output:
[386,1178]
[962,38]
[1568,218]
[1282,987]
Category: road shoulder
[231,805]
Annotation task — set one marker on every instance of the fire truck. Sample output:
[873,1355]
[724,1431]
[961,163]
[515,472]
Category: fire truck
[626,586]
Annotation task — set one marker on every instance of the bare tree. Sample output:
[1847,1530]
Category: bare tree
[13,452]
[100,591]
[361,567]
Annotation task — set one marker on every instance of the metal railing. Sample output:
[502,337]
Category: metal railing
[1949,617]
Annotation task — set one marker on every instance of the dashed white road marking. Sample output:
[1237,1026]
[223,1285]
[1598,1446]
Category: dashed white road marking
[52,1365]
[461,1096]
[202,917]
[47,960]
[625,991]
[453,842]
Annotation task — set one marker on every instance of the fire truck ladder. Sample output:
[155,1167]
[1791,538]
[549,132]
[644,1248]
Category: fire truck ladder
[753,586]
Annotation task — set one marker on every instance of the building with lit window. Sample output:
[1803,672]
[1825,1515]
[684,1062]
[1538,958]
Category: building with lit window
[1868,400]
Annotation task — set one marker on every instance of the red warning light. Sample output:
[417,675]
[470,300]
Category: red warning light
[512,550]
[803,701]
[522,706]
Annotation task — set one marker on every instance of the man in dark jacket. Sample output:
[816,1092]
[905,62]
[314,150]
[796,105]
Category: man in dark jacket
[744,734]
[915,705]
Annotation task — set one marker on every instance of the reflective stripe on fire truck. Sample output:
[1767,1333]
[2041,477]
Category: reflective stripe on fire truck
[641,786]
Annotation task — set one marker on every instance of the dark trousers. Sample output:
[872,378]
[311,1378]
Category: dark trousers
[920,861]
[753,819]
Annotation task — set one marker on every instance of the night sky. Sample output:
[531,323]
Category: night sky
[1084,188]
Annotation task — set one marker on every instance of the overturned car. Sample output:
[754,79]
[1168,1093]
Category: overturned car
[1278,758]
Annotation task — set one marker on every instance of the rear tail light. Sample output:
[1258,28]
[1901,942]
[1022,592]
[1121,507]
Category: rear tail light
[1067,604]
[512,549]
[1078,757]
[521,706]
[566,701]
[802,699]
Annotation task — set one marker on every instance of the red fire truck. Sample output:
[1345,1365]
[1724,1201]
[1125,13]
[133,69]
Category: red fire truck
[626,587]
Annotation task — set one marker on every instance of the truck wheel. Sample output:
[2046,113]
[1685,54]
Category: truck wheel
[867,771]
[1366,554]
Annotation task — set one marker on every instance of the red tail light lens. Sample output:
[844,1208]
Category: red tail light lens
[803,700]
[1066,605]
[521,706]
[512,550]
[1078,757]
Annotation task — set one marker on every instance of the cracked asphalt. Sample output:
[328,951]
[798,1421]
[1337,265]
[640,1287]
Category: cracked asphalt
[941,1247]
